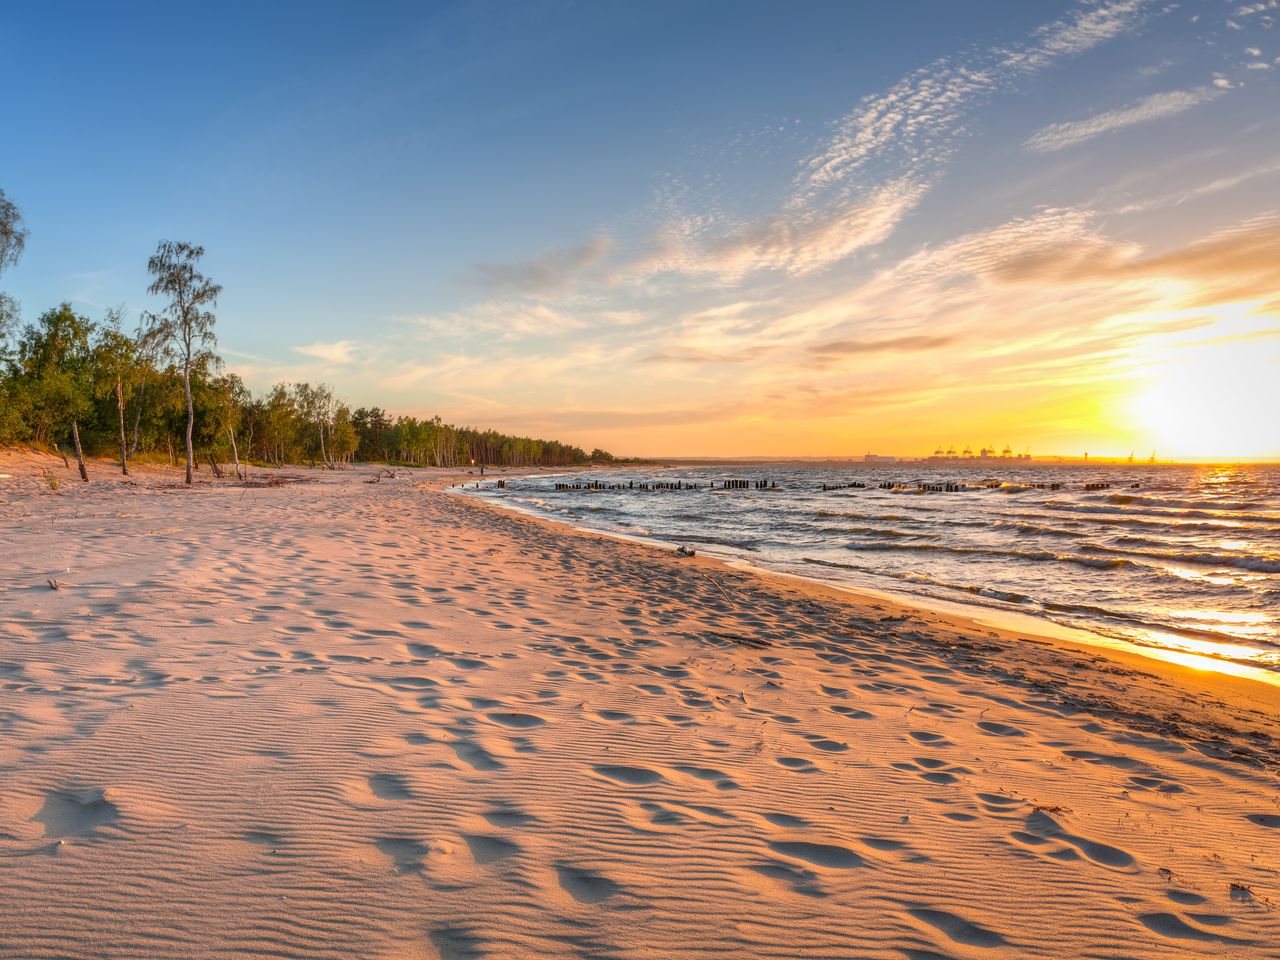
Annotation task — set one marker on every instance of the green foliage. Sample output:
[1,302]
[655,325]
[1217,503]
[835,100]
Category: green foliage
[13,233]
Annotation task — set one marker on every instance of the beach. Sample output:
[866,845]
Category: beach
[343,718]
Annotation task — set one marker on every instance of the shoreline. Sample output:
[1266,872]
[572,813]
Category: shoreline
[1256,686]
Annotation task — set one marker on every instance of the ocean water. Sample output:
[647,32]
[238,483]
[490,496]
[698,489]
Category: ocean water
[1182,558]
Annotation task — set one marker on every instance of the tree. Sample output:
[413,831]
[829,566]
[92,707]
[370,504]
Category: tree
[13,233]
[13,240]
[148,347]
[233,400]
[115,357]
[185,325]
[56,359]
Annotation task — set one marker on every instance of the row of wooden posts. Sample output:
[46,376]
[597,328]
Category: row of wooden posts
[667,485]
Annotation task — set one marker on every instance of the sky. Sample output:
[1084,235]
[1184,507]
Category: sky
[688,229]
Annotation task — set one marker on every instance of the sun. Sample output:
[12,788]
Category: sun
[1214,401]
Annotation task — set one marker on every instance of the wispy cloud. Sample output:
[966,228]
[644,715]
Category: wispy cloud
[919,120]
[506,318]
[550,274]
[909,344]
[852,192]
[1058,136]
[338,352]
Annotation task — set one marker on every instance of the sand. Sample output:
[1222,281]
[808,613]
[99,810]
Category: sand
[344,719]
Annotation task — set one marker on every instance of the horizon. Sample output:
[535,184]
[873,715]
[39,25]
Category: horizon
[1050,225]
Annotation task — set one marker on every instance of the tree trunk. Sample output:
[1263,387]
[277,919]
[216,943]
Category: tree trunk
[191,413]
[62,455]
[137,416]
[75,435]
[235,453]
[217,470]
[124,453]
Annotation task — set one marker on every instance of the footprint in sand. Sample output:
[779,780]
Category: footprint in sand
[929,739]
[801,880]
[999,729]
[853,713]
[957,928]
[508,816]
[798,764]
[475,756]
[406,854]
[585,886]
[615,716]
[390,786]
[487,849]
[264,838]
[825,744]
[787,820]
[933,770]
[76,813]
[1174,927]
[1158,784]
[457,943]
[1265,819]
[828,855]
[631,776]
[721,780]
[518,721]
[1041,827]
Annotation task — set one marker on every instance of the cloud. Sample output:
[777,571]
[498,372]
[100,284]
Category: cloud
[338,352]
[509,319]
[1205,189]
[918,121]
[908,344]
[550,274]
[1241,262]
[684,355]
[1058,136]
[796,241]
[879,163]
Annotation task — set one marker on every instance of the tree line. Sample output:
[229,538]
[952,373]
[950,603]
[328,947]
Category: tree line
[160,390]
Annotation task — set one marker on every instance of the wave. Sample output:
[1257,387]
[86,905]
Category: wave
[1035,529]
[1126,499]
[1198,514]
[1116,557]
[1036,556]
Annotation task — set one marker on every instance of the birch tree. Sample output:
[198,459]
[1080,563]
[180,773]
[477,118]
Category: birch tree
[116,364]
[185,325]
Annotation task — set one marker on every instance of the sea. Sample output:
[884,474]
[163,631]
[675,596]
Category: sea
[1177,559]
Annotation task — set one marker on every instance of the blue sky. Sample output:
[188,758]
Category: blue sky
[726,228]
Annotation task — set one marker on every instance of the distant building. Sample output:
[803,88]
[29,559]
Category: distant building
[987,454]
[876,458]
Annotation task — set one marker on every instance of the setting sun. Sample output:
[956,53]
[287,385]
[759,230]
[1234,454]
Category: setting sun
[1212,400]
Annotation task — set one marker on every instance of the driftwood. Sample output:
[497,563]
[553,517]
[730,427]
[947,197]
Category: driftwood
[722,590]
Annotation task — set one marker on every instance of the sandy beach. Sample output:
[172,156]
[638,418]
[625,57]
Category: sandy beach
[338,718]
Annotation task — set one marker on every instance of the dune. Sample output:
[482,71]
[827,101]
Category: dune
[340,719]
